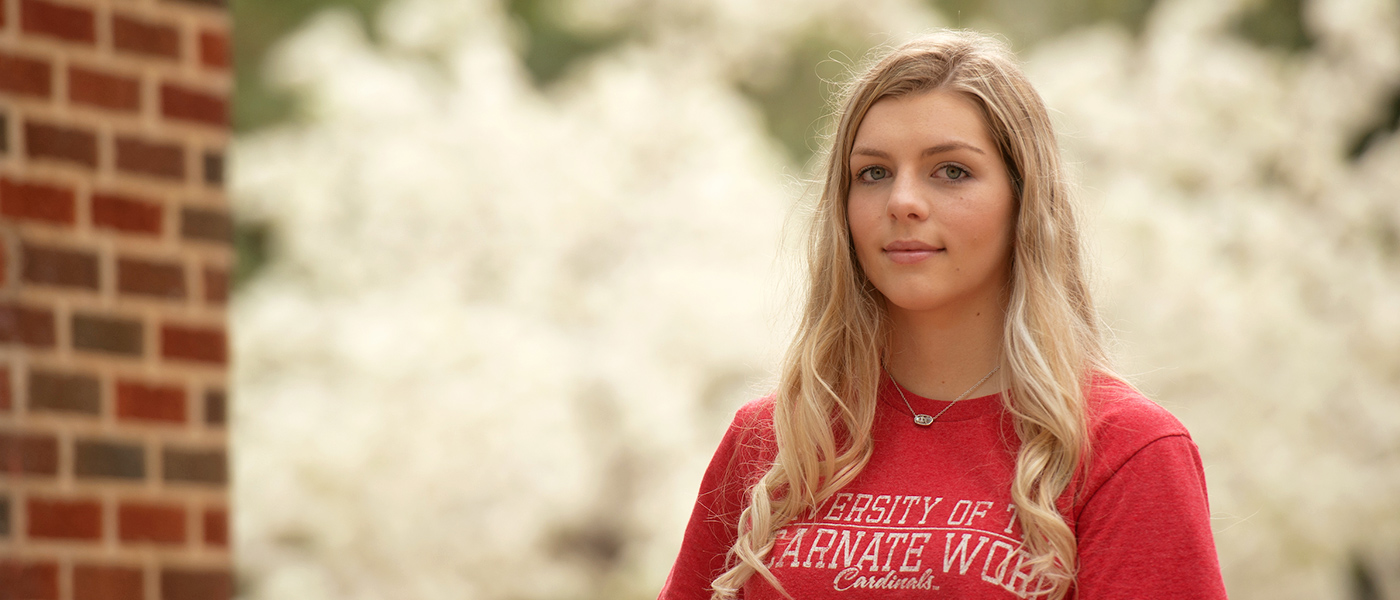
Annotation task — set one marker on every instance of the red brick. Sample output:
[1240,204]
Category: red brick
[6,396]
[178,102]
[215,285]
[206,224]
[216,527]
[27,76]
[4,261]
[157,523]
[65,519]
[63,21]
[214,168]
[126,213]
[150,158]
[106,582]
[64,392]
[109,459]
[214,49]
[61,143]
[111,334]
[130,34]
[107,333]
[215,407]
[87,86]
[28,453]
[37,201]
[186,584]
[204,344]
[28,580]
[49,265]
[28,325]
[151,402]
[194,465]
[148,278]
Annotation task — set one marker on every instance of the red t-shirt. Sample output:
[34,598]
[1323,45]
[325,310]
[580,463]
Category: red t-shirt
[931,515]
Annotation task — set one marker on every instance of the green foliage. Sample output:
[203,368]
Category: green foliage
[553,47]
[796,102]
[1386,125]
[1363,580]
[1276,24]
[251,246]
[258,26]
[1030,21]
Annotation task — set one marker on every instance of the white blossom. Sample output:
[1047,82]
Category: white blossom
[502,328]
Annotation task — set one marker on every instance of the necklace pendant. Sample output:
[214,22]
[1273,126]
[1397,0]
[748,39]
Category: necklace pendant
[923,420]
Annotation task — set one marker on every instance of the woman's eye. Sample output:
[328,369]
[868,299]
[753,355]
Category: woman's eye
[953,172]
[873,173]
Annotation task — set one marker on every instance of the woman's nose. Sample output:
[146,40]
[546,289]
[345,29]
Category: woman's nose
[906,199]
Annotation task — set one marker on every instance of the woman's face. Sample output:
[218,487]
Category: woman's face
[930,207]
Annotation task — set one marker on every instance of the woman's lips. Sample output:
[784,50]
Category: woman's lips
[910,252]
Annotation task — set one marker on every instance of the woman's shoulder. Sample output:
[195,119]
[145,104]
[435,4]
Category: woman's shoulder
[1121,415]
[756,413]
[750,440]
[1123,422]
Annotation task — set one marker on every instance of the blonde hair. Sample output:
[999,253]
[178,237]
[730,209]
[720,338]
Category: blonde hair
[826,399]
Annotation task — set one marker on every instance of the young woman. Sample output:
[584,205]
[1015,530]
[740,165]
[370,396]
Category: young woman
[946,425]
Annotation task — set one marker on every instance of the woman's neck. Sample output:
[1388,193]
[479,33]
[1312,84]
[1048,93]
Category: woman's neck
[940,354]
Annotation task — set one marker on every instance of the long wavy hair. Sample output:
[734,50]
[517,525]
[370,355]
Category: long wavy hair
[826,398]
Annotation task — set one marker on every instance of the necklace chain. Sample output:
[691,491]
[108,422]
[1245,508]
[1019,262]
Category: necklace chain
[924,420]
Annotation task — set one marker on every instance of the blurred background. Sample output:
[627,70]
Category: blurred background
[507,267]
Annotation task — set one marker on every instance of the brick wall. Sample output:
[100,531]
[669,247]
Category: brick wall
[114,266]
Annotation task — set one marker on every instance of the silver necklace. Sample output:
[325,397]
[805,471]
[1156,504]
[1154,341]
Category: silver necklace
[924,420]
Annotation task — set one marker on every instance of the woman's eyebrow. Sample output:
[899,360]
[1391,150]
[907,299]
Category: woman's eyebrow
[949,147]
[930,151]
[862,151]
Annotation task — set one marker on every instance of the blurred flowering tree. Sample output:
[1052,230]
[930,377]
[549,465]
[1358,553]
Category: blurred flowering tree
[524,259]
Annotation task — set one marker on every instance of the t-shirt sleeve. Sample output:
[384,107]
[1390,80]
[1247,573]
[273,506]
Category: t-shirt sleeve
[1145,532]
[711,530]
